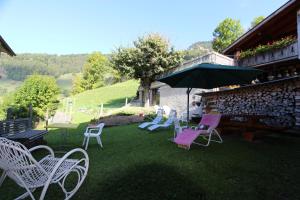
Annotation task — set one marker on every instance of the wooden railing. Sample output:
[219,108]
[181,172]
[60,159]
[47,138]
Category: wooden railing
[285,53]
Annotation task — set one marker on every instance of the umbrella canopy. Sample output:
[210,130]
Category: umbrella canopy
[209,76]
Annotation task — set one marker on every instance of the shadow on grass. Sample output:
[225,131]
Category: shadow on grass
[152,182]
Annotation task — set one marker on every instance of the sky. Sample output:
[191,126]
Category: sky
[85,26]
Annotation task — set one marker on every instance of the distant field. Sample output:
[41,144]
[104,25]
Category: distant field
[87,104]
[65,82]
[7,85]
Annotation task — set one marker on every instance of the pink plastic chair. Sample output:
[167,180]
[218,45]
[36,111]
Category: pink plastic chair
[188,136]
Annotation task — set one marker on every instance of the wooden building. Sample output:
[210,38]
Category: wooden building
[274,47]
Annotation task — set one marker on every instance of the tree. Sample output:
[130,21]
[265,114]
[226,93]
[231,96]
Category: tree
[94,71]
[226,33]
[150,56]
[77,85]
[41,92]
[257,20]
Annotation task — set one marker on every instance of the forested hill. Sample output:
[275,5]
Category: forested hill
[22,65]
[198,49]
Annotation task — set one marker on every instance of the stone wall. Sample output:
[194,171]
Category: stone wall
[277,99]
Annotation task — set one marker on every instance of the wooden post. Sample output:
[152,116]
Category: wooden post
[126,101]
[101,110]
[9,114]
[47,119]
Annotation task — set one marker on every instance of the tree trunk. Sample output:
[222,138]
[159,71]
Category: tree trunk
[146,96]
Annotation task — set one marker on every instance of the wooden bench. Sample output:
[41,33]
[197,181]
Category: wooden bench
[248,125]
[21,130]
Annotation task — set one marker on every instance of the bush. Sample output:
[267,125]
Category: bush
[39,91]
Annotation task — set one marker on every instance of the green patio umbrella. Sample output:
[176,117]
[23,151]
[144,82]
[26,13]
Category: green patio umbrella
[209,76]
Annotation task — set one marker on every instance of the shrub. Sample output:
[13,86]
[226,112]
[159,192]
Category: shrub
[39,91]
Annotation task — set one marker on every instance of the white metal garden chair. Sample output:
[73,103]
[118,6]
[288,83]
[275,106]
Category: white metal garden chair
[93,131]
[17,163]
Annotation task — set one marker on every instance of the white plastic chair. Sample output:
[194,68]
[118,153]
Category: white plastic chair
[17,163]
[93,131]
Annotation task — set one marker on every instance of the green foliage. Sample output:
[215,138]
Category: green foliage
[23,65]
[41,92]
[77,86]
[97,72]
[257,20]
[94,69]
[268,47]
[150,56]
[226,33]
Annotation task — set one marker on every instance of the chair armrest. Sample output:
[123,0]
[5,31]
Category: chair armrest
[42,147]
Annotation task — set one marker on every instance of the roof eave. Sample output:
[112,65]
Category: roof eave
[262,23]
[6,47]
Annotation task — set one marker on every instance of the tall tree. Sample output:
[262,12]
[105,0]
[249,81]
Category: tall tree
[226,33]
[257,20]
[150,56]
[94,71]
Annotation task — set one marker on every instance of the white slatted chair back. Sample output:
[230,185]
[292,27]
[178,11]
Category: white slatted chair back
[20,165]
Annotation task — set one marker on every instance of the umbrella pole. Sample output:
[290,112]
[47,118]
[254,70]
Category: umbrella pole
[188,91]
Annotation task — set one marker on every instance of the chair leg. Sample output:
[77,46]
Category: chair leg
[87,143]
[26,194]
[2,178]
[99,141]
[84,139]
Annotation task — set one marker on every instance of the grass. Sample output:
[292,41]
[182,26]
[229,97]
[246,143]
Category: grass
[137,165]
[87,104]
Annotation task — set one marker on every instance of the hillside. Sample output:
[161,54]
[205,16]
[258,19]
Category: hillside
[86,105]
[22,65]
[201,45]
[7,85]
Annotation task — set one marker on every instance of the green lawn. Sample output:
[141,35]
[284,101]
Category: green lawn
[137,165]
[87,104]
